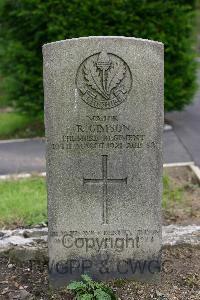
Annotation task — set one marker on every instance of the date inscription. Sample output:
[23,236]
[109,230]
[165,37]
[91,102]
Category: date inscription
[101,133]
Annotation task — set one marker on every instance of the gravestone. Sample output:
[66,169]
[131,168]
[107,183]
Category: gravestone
[104,123]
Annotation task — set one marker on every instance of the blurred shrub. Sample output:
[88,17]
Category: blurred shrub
[25,25]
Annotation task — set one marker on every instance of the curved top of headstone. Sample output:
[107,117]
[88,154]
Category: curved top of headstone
[103,38]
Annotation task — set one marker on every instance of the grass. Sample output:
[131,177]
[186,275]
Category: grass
[24,201]
[171,194]
[12,122]
[16,125]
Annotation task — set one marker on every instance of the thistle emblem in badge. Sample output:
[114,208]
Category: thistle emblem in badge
[103,80]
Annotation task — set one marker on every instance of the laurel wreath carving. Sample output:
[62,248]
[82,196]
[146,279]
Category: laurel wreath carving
[114,76]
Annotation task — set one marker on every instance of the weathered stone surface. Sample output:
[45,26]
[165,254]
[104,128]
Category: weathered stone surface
[174,235]
[104,123]
[24,249]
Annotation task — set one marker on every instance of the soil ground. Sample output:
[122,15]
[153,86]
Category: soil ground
[184,209]
[180,276]
[180,280]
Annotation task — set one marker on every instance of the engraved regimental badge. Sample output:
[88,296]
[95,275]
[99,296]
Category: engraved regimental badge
[103,80]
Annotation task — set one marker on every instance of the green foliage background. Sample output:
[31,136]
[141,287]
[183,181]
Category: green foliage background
[25,25]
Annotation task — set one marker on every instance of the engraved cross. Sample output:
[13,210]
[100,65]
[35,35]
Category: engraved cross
[105,181]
